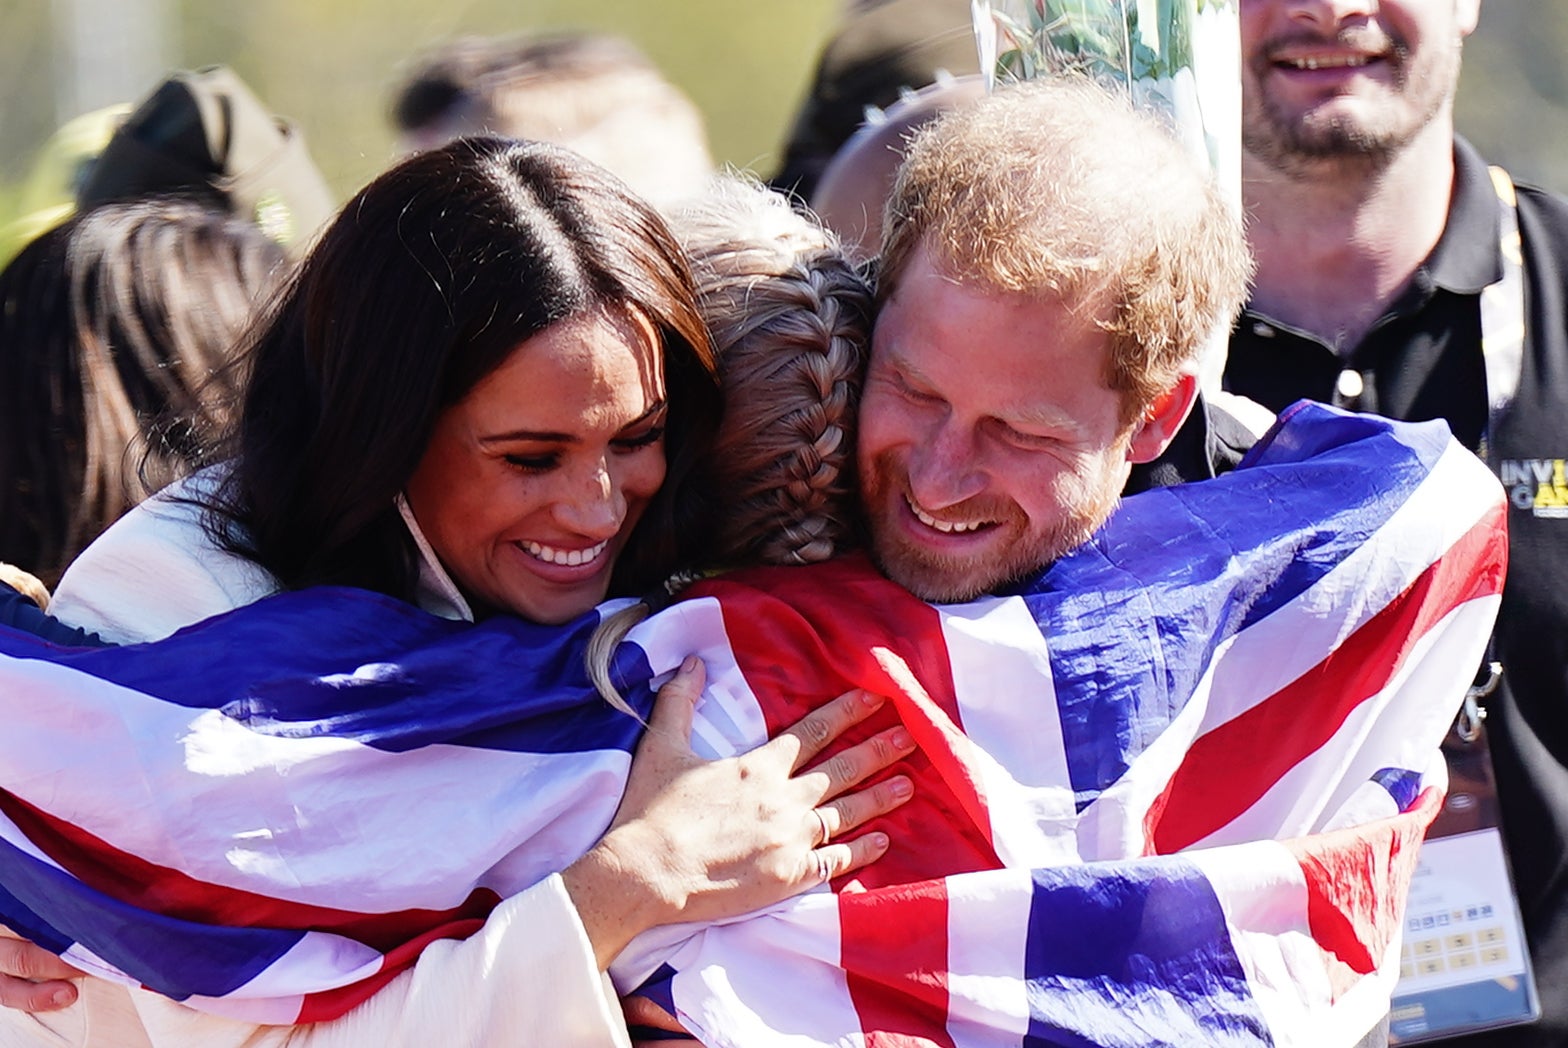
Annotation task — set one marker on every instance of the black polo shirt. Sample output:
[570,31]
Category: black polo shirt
[1423,360]
[1419,360]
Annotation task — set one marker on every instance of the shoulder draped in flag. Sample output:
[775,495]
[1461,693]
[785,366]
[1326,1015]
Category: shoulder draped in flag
[1169,791]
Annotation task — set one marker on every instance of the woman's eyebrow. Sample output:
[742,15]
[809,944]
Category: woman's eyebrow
[655,409]
[543,435]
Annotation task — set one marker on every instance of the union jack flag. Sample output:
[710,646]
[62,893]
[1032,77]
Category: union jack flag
[1168,792]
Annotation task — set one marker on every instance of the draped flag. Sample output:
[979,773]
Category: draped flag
[1168,792]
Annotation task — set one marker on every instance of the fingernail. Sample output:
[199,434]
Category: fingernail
[870,700]
[901,787]
[689,664]
[902,741]
[61,998]
[878,840]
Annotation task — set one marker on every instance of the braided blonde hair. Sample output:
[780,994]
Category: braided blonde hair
[791,322]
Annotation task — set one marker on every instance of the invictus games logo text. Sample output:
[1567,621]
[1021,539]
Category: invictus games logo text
[1537,485]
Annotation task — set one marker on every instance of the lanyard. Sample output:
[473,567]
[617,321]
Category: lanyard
[1502,350]
[1503,315]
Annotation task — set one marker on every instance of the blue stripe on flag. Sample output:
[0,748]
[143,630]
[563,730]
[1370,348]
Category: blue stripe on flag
[1402,784]
[1138,953]
[420,680]
[181,958]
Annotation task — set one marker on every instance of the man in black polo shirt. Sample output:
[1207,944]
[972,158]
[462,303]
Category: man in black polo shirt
[1387,256]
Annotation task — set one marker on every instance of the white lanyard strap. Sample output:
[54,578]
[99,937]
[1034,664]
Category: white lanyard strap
[1503,313]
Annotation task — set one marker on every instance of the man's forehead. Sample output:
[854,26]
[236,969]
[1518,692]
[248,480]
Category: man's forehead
[930,267]
[998,364]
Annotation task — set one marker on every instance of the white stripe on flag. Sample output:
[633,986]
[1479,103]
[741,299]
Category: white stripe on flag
[1111,826]
[729,719]
[987,932]
[1002,677]
[319,961]
[773,979]
[1264,898]
[557,803]
[1277,649]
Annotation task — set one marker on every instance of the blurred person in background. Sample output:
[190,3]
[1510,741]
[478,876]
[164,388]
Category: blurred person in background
[115,332]
[594,93]
[118,323]
[200,135]
[852,193]
[56,174]
[1398,274]
[880,51]
[203,135]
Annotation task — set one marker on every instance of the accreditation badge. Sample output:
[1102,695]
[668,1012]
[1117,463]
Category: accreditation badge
[1464,967]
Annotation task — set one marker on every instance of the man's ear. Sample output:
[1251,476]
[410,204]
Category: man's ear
[1154,433]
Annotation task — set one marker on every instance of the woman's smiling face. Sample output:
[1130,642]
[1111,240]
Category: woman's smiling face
[531,484]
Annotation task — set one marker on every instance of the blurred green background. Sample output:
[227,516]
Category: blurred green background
[330,65]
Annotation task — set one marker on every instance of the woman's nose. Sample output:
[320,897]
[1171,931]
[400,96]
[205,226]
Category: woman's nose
[595,506]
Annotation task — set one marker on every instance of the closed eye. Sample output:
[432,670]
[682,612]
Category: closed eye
[909,392]
[651,435]
[533,463]
[1030,442]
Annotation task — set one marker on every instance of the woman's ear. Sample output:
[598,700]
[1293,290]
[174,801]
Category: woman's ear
[1155,431]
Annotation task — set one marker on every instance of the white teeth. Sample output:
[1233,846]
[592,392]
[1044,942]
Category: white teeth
[943,526]
[570,558]
[1349,62]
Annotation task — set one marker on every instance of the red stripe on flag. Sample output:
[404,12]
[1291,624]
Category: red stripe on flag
[160,889]
[803,638]
[1228,769]
[330,1004]
[797,634]
[1357,881]
[893,947]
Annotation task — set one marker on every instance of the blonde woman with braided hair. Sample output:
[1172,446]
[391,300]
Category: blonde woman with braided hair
[790,317]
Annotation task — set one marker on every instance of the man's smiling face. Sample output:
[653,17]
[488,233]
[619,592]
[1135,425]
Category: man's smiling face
[1357,79]
[990,443]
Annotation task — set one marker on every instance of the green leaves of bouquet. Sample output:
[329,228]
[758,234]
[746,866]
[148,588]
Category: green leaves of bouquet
[1105,39]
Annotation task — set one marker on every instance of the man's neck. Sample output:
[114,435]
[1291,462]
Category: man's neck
[1336,243]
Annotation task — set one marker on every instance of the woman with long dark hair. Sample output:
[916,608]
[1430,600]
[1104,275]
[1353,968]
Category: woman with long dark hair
[489,390]
[417,296]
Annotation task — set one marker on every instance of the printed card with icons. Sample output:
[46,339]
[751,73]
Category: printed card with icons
[1464,965]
